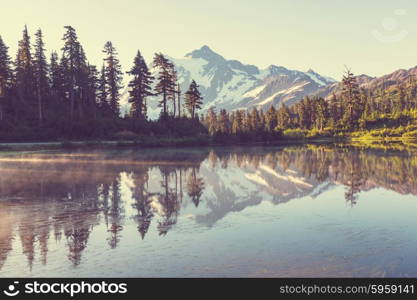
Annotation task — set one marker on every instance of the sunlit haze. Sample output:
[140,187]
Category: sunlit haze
[372,37]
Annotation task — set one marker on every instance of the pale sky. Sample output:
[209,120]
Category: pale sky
[370,36]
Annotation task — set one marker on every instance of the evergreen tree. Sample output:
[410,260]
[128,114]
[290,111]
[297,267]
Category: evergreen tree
[179,100]
[224,122]
[308,113]
[237,123]
[41,73]
[232,116]
[5,68]
[247,123]
[352,101]
[255,120]
[82,81]
[211,121]
[165,81]
[92,86]
[24,68]
[336,111]
[321,113]
[68,61]
[261,120]
[401,99]
[302,114]
[75,71]
[193,99]
[114,77]
[102,90]
[271,119]
[140,86]
[173,93]
[283,117]
[366,115]
[5,76]
[56,77]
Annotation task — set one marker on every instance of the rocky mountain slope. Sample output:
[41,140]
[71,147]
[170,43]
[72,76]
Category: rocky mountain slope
[394,79]
[231,84]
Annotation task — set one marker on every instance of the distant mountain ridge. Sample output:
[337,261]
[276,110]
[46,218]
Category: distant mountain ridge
[231,85]
[394,79]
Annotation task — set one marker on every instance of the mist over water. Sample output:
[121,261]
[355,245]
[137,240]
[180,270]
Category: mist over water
[263,211]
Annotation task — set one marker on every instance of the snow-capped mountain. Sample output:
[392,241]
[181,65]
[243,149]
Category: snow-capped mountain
[231,84]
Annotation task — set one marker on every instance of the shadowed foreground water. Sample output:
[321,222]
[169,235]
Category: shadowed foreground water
[263,212]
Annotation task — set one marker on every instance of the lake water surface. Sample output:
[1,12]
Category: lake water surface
[305,211]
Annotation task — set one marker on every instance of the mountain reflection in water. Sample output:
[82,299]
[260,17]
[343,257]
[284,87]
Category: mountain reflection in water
[52,202]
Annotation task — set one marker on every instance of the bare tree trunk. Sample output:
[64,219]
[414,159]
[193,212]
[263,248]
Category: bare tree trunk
[165,104]
[72,99]
[144,112]
[80,108]
[2,98]
[179,100]
[40,103]
[173,100]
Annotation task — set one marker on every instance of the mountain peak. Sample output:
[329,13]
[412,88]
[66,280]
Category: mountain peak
[230,84]
[206,48]
[204,52]
[274,70]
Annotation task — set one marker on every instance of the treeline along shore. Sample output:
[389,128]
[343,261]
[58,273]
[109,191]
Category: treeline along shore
[65,99]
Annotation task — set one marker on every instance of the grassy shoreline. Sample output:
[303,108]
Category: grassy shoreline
[359,141]
[150,143]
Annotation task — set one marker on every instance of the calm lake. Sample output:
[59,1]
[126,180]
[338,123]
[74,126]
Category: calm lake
[302,211]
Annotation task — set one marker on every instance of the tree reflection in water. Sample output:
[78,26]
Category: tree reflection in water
[64,196]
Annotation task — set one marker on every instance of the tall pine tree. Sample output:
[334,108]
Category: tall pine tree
[352,100]
[56,77]
[114,78]
[70,54]
[24,68]
[271,119]
[283,117]
[102,90]
[41,74]
[140,87]
[193,99]
[5,76]
[165,81]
